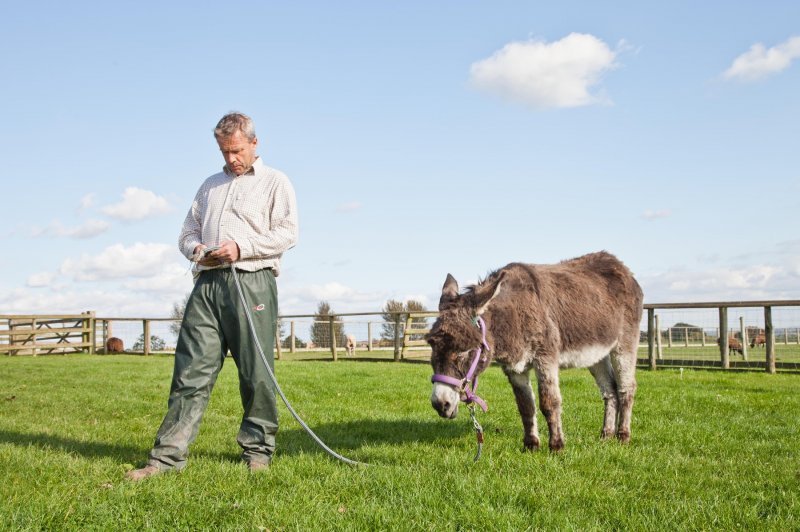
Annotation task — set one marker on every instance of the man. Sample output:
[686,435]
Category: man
[248,211]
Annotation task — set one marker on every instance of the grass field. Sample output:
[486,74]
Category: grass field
[710,450]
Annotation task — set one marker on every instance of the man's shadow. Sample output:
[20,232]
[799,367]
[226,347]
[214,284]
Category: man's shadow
[292,439]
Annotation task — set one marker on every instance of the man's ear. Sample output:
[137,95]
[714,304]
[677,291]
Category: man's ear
[449,292]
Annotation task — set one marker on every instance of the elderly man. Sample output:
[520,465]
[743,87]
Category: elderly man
[248,213]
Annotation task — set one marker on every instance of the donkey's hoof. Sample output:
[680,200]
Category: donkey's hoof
[530,444]
[556,446]
[606,434]
[624,436]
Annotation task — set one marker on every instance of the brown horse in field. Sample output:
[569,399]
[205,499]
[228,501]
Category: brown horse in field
[583,312]
[734,345]
[758,340]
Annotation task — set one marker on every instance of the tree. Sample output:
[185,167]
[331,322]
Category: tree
[417,323]
[390,311]
[177,314]
[287,342]
[156,343]
[321,330]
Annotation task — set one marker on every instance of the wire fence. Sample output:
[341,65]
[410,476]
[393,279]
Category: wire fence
[365,335]
[730,335]
[741,335]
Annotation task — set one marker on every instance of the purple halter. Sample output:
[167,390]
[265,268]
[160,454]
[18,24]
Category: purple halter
[468,385]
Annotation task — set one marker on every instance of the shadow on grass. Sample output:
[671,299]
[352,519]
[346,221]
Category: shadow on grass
[87,449]
[353,435]
[346,436]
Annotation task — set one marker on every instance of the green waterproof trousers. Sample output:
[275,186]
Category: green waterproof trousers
[214,323]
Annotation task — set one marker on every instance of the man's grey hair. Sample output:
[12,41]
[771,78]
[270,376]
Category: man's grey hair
[233,122]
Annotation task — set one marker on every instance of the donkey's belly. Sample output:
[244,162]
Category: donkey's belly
[584,357]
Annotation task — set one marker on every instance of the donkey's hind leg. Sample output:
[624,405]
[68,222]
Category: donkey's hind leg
[603,375]
[623,362]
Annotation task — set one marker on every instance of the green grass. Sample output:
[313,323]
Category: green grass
[710,450]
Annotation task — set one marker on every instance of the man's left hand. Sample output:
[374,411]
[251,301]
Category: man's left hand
[228,252]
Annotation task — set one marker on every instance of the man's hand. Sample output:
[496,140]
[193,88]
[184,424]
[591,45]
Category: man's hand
[228,252]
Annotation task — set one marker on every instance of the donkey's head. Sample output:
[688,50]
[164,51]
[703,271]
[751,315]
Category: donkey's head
[455,338]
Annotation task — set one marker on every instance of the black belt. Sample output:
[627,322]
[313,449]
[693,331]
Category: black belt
[254,271]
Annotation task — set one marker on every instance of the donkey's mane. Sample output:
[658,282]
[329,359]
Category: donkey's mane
[470,290]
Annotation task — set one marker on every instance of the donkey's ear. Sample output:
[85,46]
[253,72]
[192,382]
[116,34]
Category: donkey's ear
[449,292]
[487,295]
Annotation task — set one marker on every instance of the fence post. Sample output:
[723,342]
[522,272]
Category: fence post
[332,325]
[92,334]
[686,336]
[723,338]
[11,337]
[658,339]
[369,336]
[769,332]
[146,327]
[651,337]
[278,339]
[106,326]
[743,335]
[291,328]
[397,337]
[35,350]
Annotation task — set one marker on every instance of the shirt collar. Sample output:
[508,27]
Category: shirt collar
[258,165]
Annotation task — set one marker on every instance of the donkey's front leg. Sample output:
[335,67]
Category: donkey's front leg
[523,393]
[550,402]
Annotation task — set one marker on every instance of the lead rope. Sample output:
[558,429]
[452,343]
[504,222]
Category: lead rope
[275,381]
[478,432]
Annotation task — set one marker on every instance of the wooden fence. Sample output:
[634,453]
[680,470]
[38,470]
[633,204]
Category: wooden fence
[47,334]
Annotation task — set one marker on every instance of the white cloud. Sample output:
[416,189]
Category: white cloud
[106,302]
[349,207]
[541,74]
[42,279]
[137,204]
[118,261]
[760,62]
[753,282]
[332,292]
[171,278]
[86,202]
[303,299]
[56,229]
[655,215]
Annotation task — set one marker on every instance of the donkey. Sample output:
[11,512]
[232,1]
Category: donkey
[583,312]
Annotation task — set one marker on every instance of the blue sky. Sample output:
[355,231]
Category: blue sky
[421,137]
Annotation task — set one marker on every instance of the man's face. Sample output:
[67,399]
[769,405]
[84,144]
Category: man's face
[238,151]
